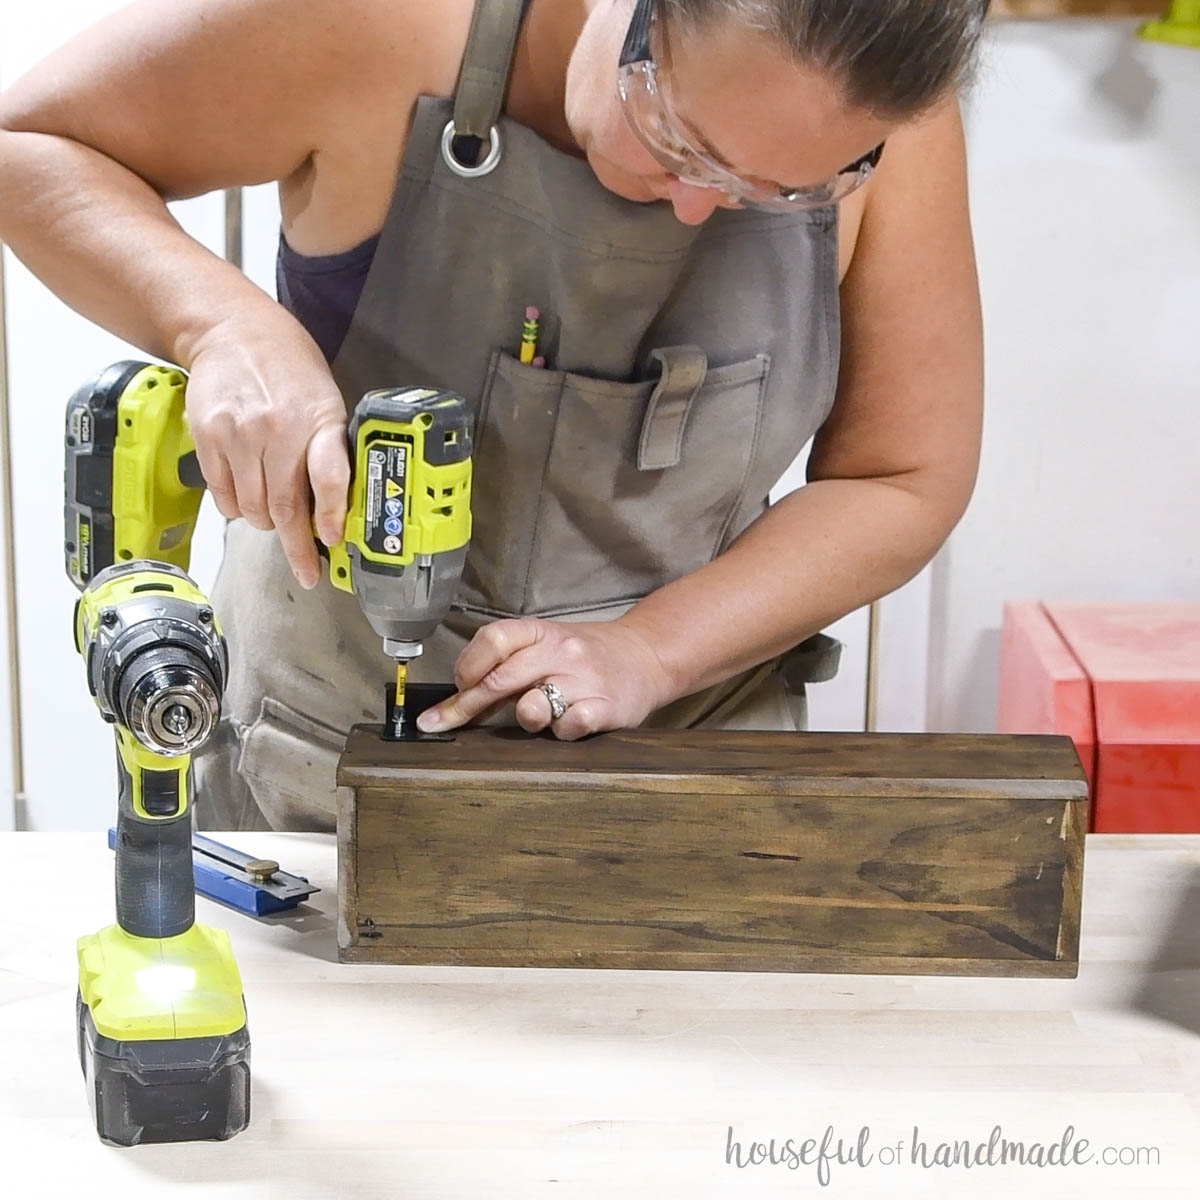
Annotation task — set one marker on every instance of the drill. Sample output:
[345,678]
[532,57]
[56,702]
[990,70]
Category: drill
[163,1039]
[133,490]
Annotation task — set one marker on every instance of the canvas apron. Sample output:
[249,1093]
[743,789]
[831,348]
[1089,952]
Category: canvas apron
[686,368]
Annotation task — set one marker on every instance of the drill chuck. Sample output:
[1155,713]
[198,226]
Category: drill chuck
[168,699]
[156,660]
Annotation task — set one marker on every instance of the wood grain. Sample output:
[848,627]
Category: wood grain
[735,851]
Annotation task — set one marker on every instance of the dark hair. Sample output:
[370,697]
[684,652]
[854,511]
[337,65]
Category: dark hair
[894,57]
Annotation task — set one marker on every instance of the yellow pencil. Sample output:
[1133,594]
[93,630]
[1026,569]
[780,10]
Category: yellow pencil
[529,335]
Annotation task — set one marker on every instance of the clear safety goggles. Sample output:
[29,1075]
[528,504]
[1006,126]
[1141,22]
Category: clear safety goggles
[646,101]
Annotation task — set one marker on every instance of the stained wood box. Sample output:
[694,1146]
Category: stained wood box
[740,851]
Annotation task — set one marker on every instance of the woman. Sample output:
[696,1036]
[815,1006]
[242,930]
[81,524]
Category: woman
[744,223]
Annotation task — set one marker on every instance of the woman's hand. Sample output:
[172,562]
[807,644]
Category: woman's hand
[269,423]
[608,674]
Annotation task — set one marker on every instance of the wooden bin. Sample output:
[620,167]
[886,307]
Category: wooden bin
[741,851]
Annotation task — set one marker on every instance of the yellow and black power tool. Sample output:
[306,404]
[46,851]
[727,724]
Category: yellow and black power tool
[163,1039]
[133,490]
[407,526]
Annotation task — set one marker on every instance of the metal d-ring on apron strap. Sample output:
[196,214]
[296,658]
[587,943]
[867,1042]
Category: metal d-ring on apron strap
[482,83]
[683,372]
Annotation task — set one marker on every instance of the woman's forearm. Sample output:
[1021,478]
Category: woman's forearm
[104,241]
[820,553]
[266,416]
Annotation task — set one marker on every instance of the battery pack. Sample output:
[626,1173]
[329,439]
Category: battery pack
[170,1090]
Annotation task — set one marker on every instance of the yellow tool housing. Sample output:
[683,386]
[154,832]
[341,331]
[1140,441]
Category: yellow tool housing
[436,489]
[144,989]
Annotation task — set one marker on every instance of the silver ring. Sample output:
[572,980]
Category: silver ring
[484,168]
[558,702]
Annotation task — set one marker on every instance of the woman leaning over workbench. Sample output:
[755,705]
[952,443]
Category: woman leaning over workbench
[744,223]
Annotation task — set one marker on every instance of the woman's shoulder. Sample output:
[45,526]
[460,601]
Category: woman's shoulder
[923,163]
[248,52]
[393,52]
[365,59]
[410,40]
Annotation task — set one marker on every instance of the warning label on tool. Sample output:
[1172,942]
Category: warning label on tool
[383,515]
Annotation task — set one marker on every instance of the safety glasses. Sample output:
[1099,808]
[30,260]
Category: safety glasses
[645,97]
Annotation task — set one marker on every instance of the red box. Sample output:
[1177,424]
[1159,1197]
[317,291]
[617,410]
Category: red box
[1122,680]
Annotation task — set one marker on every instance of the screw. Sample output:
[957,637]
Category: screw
[205,615]
[109,616]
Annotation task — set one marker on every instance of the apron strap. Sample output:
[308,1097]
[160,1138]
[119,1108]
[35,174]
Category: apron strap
[683,372]
[483,77]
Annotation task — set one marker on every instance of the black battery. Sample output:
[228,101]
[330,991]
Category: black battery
[173,1090]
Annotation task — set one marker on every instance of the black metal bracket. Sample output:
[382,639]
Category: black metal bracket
[417,698]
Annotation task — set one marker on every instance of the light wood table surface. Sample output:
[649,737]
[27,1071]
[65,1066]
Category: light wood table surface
[392,1081]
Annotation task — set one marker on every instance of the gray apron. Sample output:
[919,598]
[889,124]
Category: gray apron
[686,369]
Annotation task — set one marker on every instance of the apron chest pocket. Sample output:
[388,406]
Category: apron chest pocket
[591,492]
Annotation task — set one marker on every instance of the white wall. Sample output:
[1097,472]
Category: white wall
[1085,174]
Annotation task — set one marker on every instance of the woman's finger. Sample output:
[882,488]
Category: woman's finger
[328,463]
[509,678]
[582,718]
[535,713]
[492,644]
[481,718]
[218,479]
[249,484]
[287,505]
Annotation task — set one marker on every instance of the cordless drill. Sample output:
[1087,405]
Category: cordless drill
[133,490]
[163,1038]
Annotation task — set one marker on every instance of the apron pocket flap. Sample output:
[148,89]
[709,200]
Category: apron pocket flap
[683,372]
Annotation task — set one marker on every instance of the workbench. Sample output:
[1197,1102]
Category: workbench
[435,1081]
